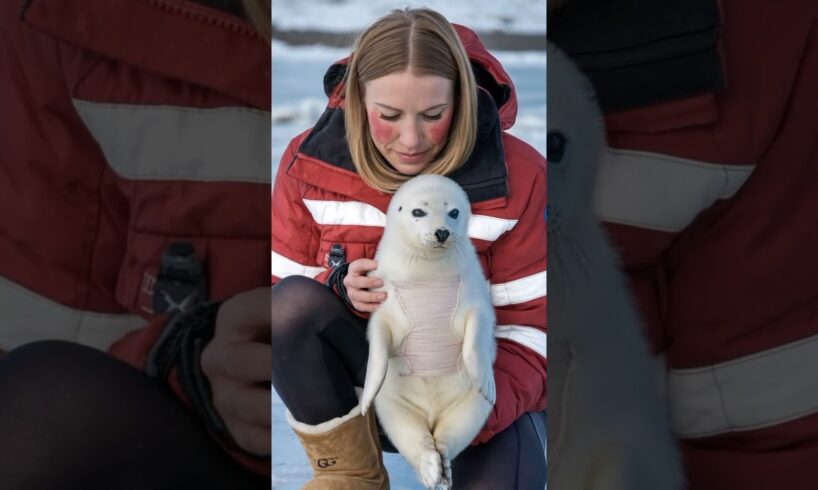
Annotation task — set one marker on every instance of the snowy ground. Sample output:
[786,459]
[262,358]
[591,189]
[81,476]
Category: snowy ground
[512,16]
[291,469]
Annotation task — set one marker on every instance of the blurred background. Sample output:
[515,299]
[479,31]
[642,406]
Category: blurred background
[308,36]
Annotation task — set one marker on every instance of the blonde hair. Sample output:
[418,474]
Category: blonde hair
[424,41]
[258,13]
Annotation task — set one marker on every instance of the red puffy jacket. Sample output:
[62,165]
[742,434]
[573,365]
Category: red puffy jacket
[125,126]
[711,201]
[319,200]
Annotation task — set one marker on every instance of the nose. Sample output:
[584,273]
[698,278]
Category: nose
[441,235]
[410,135]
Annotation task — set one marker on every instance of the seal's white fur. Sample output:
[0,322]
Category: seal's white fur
[430,419]
[607,428]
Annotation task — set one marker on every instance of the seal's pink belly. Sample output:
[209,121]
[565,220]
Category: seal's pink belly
[431,347]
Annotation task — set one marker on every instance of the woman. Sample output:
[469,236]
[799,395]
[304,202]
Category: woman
[122,211]
[417,95]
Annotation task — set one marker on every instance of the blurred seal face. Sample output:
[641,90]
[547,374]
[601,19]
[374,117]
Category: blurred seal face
[576,141]
[409,118]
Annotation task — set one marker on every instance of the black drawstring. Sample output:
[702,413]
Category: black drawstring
[340,268]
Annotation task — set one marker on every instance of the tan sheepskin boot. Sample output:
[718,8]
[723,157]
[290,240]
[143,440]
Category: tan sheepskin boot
[345,453]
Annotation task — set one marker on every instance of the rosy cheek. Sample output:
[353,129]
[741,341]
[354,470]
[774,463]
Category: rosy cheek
[382,131]
[439,130]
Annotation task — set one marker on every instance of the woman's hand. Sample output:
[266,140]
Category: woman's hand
[238,362]
[356,283]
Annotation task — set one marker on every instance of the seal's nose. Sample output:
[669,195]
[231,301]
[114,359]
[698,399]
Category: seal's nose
[441,235]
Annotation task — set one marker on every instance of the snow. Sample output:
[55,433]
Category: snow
[283,51]
[513,16]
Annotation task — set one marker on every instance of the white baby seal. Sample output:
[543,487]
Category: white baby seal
[607,426]
[431,342]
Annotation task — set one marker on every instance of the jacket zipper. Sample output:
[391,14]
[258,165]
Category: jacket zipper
[218,19]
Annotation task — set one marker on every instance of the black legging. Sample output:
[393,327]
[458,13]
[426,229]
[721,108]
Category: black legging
[72,417]
[319,355]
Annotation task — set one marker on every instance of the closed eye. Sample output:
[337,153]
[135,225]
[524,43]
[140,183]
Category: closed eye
[387,117]
[433,117]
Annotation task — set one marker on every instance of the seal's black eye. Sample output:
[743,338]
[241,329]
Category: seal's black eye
[454,213]
[418,213]
[555,146]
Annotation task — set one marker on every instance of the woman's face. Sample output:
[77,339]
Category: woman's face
[409,118]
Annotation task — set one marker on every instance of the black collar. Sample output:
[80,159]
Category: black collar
[639,54]
[483,176]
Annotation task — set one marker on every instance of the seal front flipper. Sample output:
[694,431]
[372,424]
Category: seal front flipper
[380,340]
[477,353]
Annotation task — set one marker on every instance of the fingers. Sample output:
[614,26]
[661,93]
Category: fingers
[246,362]
[254,439]
[365,307]
[361,266]
[244,404]
[237,363]
[357,284]
[246,411]
[362,282]
[245,315]
[356,277]
[365,300]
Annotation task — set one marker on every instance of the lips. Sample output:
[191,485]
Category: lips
[411,157]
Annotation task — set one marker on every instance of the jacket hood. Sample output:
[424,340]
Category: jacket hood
[491,76]
[488,73]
